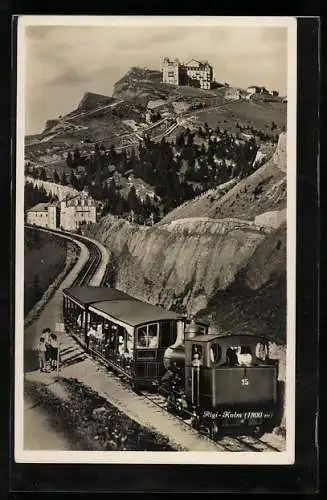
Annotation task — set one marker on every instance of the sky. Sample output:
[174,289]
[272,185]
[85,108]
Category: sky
[64,62]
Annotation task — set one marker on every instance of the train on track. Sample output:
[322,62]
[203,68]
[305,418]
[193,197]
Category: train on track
[222,382]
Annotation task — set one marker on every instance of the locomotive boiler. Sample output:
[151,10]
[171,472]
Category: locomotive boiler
[221,381]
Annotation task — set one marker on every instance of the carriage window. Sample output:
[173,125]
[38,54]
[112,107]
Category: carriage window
[261,351]
[148,336]
[153,335]
[215,353]
[142,337]
[231,356]
[168,333]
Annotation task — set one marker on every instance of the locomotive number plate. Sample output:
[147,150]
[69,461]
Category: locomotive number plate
[244,381]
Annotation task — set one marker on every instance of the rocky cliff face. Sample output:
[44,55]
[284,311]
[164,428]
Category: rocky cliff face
[231,269]
[280,155]
[138,83]
[91,101]
[181,265]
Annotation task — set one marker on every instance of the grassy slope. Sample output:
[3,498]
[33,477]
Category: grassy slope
[249,198]
[258,114]
[46,260]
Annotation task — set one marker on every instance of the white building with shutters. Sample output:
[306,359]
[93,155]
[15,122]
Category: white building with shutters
[68,214]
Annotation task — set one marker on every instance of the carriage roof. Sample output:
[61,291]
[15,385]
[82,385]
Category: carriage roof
[86,295]
[133,312]
[230,337]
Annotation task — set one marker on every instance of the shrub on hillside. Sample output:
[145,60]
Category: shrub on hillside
[93,422]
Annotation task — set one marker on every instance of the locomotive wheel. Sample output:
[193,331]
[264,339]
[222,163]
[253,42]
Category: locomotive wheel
[135,387]
[195,423]
[171,403]
[258,431]
[214,431]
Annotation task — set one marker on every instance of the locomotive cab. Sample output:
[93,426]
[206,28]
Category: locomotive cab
[230,379]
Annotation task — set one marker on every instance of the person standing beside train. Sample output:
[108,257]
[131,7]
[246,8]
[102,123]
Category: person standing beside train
[46,335]
[41,350]
[53,351]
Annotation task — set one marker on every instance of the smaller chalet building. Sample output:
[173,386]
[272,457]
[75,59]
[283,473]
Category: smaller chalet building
[68,214]
[43,215]
[254,89]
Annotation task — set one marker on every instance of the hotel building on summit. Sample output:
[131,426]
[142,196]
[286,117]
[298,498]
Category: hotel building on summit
[193,73]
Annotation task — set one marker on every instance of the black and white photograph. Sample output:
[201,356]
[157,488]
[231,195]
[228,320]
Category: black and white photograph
[155,240]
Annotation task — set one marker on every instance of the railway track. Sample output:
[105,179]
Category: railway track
[234,444]
[91,264]
[243,443]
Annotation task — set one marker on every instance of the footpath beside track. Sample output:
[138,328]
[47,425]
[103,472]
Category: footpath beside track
[146,408]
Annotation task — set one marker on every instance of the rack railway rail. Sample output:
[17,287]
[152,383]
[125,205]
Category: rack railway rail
[243,443]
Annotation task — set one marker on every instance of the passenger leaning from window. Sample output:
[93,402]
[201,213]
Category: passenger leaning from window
[91,334]
[121,345]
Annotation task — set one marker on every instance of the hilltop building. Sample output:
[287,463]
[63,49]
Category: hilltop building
[67,214]
[254,89]
[232,94]
[193,73]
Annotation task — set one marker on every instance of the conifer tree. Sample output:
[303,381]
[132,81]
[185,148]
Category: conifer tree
[132,199]
[56,177]
[69,160]
[64,181]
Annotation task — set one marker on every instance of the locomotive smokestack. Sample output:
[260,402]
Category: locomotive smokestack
[192,329]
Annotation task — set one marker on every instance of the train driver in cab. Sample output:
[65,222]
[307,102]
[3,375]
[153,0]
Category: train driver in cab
[244,355]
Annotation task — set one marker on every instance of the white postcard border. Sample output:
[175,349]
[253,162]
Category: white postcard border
[134,457]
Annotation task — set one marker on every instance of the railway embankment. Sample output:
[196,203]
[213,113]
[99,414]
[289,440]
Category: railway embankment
[108,395]
[44,258]
[72,253]
[91,422]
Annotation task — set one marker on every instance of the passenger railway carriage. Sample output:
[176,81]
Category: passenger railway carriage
[128,334]
[218,380]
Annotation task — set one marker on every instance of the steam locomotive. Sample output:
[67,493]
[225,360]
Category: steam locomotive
[219,381]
